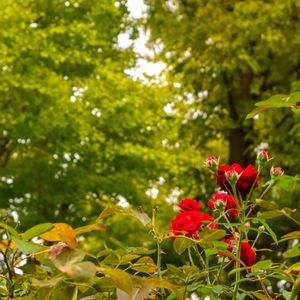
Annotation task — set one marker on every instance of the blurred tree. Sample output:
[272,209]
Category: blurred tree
[76,131]
[223,56]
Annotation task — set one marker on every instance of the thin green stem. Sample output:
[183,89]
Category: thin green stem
[266,190]
[207,268]
[296,288]
[238,266]
[158,244]
[201,260]
[158,263]
[190,256]
[253,184]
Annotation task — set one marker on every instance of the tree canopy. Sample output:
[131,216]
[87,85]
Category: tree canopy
[77,131]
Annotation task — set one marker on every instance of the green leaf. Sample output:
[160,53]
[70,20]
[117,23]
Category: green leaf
[271,232]
[9,229]
[121,279]
[82,271]
[46,283]
[218,289]
[266,204]
[108,211]
[36,230]
[174,270]
[293,252]
[66,257]
[159,283]
[27,247]
[271,214]
[286,295]
[89,228]
[211,234]
[262,265]
[143,251]
[286,182]
[259,296]
[144,264]
[255,111]
[181,244]
[142,217]
[277,101]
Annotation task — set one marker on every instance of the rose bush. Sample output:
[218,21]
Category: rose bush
[218,254]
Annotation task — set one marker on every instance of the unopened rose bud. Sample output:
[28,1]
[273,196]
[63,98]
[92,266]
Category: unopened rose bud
[212,163]
[263,157]
[232,176]
[220,205]
[247,224]
[276,172]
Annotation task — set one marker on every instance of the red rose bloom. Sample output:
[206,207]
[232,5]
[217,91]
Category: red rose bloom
[227,201]
[210,225]
[247,177]
[230,241]
[188,205]
[190,223]
[248,255]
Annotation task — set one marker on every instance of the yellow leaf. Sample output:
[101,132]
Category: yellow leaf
[4,245]
[293,234]
[61,232]
[294,268]
[89,228]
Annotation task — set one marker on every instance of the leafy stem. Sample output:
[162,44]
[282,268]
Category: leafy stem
[296,288]
[158,242]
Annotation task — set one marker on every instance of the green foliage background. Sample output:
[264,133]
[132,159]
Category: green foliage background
[77,132]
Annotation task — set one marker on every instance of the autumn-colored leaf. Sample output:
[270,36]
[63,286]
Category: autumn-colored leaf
[61,232]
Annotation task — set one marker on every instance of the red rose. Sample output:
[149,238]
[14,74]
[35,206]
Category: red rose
[226,200]
[248,255]
[246,179]
[210,225]
[189,204]
[190,223]
[230,241]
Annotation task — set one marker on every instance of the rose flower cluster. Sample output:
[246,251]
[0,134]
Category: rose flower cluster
[190,220]
[235,184]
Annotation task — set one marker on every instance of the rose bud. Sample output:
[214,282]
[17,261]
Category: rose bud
[276,172]
[232,176]
[223,202]
[263,157]
[212,163]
